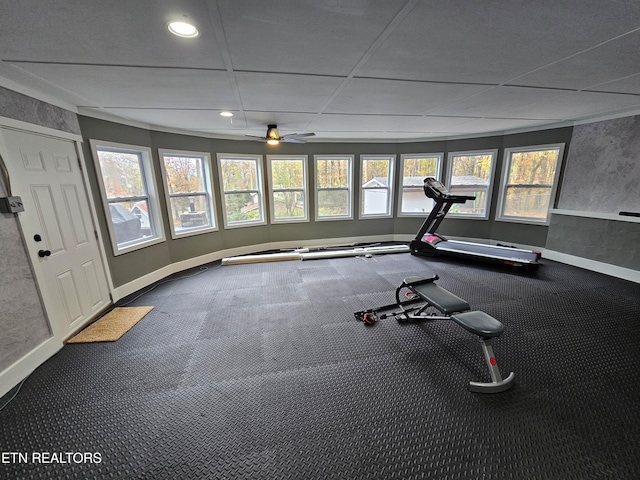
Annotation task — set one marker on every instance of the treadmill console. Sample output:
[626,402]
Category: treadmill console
[434,189]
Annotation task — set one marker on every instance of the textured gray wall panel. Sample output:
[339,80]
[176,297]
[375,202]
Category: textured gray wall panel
[26,109]
[22,322]
[603,167]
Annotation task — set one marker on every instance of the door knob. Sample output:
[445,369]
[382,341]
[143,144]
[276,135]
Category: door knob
[44,253]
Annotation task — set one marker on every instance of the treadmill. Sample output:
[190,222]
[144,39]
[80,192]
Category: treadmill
[429,243]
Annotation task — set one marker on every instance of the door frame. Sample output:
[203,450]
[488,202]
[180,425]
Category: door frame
[23,367]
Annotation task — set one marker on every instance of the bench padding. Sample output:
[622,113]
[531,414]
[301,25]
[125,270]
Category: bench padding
[437,296]
[479,323]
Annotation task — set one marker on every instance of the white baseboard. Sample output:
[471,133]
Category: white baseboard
[593,265]
[14,374]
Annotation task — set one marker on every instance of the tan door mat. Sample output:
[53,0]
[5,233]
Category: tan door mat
[112,326]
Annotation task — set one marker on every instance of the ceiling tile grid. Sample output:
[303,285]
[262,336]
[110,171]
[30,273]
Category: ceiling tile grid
[358,70]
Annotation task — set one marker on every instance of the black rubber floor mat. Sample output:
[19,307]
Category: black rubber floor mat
[260,371]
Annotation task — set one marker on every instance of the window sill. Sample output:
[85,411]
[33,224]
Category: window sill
[524,221]
[137,246]
[191,233]
[331,219]
[228,226]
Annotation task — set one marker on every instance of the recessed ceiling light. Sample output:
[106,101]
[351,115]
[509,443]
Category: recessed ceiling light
[226,114]
[183,29]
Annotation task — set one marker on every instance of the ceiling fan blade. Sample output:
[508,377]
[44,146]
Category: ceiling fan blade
[299,135]
[274,134]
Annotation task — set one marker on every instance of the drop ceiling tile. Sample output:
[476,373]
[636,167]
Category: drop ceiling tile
[195,120]
[100,86]
[285,92]
[489,125]
[366,95]
[624,85]
[287,122]
[368,137]
[578,105]
[355,123]
[610,61]
[302,36]
[492,42]
[99,32]
[430,123]
[496,101]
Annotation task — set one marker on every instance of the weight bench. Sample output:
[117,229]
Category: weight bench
[422,294]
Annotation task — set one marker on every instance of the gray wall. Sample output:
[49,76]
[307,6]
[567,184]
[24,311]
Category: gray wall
[608,241]
[602,176]
[603,168]
[130,266]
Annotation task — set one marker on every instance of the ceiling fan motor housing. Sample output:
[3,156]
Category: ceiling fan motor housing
[272,132]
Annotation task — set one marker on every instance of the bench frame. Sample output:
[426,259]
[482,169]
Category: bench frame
[414,308]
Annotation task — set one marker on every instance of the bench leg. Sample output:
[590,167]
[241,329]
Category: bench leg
[497,384]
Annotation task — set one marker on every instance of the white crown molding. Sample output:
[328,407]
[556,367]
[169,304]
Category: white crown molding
[37,94]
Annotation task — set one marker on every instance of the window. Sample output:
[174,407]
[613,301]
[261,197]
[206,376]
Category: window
[187,185]
[529,179]
[471,173]
[376,185]
[415,168]
[128,188]
[242,191]
[333,187]
[288,188]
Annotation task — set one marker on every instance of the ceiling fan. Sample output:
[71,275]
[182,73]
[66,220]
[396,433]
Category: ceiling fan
[273,136]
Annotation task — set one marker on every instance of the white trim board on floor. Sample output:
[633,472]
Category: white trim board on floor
[307,254]
[146,280]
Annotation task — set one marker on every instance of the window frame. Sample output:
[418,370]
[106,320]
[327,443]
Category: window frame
[506,165]
[391,158]
[439,161]
[208,193]
[349,216]
[151,189]
[259,184]
[473,153]
[272,190]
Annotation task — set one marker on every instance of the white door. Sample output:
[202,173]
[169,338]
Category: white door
[57,227]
